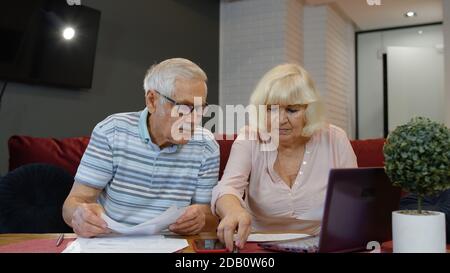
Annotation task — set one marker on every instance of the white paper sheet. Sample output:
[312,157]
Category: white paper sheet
[126,244]
[259,237]
[151,227]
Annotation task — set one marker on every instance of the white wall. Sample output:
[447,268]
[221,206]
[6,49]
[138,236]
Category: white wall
[340,83]
[370,71]
[315,27]
[255,36]
[416,84]
[446,32]
[370,86]
[329,57]
[351,53]
[294,31]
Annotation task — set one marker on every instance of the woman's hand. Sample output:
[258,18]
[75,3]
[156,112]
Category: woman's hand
[238,219]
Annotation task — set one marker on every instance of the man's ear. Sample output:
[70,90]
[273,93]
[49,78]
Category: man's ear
[151,100]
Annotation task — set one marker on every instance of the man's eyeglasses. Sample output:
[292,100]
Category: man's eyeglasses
[185,109]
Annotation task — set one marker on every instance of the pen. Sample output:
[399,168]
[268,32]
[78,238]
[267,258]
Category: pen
[60,239]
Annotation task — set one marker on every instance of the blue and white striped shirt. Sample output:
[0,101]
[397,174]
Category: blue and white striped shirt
[139,180]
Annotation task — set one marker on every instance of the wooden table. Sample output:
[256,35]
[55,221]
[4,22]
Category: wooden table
[6,239]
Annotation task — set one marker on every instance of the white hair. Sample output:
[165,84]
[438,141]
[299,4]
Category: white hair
[162,77]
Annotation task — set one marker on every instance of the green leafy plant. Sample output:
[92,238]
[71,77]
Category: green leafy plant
[417,158]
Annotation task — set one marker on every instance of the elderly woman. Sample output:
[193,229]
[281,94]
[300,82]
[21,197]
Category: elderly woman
[285,187]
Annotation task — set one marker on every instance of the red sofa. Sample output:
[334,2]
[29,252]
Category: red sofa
[67,153]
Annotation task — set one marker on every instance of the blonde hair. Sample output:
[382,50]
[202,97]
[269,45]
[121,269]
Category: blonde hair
[290,84]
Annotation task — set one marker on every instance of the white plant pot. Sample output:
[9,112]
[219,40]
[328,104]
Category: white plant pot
[418,233]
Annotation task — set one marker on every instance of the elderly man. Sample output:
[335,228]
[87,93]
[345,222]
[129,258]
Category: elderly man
[139,164]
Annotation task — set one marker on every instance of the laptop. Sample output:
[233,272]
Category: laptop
[358,208]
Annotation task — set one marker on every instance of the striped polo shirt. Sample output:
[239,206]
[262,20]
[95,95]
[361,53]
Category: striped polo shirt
[139,180]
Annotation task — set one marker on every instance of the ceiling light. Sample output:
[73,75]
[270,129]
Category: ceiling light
[410,14]
[68,33]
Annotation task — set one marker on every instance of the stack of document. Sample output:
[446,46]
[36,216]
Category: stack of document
[127,244]
[142,238]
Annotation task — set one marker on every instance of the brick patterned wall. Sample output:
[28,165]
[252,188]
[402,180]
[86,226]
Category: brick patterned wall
[256,35]
[329,57]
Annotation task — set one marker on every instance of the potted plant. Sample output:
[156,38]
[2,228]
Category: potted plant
[417,158]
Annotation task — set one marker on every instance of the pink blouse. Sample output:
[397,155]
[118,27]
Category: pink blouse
[270,201]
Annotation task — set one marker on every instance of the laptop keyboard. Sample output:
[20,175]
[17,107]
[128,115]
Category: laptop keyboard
[306,245]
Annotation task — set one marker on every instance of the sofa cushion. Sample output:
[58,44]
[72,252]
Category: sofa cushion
[65,153]
[369,153]
[225,143]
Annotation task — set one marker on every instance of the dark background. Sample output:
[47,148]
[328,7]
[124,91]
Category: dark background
[133,35]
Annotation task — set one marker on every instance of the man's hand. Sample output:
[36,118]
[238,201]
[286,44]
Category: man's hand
[239,219]
[191,222]
[86,220]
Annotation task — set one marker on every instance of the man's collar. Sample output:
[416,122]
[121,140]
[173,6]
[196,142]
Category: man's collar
[145,135]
